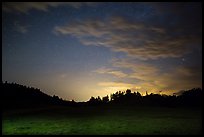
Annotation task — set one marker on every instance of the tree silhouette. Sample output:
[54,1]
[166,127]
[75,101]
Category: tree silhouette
[105,99]
[128,92]
[18,96]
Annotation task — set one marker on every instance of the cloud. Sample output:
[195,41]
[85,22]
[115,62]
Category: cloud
[140,72]
[152,78]
[167,37]
[137,39]
[183,78]
[142,76]
[25,7]
[142,42]
[20,28]
[116,73]
[118,86]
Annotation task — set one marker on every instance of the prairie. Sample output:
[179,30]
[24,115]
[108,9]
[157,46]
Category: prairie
[102,120]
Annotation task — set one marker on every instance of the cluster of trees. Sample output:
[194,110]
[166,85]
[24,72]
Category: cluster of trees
[98,100]
[15,96]
[189,98]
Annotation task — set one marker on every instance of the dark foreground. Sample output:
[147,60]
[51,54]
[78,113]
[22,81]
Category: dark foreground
[102,121]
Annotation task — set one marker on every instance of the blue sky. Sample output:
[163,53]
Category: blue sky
[78,50]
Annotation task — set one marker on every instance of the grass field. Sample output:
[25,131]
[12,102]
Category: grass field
[102,121]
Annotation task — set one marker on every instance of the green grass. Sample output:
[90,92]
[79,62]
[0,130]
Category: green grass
[102,121]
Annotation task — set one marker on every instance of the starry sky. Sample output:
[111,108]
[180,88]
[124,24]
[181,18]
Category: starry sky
[81,49]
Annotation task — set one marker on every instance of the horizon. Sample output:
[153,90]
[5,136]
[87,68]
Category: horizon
[178,93]
[76,50]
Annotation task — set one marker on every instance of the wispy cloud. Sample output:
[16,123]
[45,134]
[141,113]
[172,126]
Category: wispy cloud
[137,39]
[116,73]
[20,28]
[182,78]
[25,7]
[140,41]
[118,86]
[151,78]
[139,70]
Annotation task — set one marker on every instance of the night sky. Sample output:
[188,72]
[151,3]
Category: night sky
[79,50]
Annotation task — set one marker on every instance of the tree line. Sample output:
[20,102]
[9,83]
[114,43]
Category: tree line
[16,95]
[188,98]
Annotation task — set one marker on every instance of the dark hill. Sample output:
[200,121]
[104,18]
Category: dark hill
[19,96]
